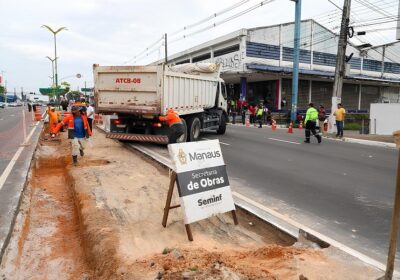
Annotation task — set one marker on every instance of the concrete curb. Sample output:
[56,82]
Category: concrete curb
[364,142]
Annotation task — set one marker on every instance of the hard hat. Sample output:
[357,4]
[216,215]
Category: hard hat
[74,109]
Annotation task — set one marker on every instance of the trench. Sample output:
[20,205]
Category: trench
[47,241]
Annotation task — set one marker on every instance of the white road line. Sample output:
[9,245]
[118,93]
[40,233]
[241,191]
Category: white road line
[14,159]
[223,143]
[280,140]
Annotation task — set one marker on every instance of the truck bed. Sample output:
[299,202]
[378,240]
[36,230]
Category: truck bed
[152,90]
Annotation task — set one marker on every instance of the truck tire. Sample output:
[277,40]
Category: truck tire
[194,126]
[184,137]
[222,126]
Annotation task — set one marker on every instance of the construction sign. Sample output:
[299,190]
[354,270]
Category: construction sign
[202,180]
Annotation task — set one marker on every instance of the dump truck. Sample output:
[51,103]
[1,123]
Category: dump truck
[138,95]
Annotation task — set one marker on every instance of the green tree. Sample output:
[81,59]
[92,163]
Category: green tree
[74,95]
[2,90]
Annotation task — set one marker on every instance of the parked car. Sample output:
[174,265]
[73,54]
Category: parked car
[2,105]
[12,104]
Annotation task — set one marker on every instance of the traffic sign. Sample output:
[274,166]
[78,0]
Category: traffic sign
[203,183]
[87,89]
[53,90]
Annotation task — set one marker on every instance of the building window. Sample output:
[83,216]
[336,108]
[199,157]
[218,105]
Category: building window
[183,61]
[224,51]
[262,50]
[201,57]
[372,65]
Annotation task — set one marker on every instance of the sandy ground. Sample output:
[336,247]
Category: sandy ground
[102,220]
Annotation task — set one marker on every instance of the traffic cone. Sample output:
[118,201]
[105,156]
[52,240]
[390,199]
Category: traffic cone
[247,122]
[290,130]
[273,125]
[301,125]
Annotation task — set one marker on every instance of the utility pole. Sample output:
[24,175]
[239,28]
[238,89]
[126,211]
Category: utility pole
[296,59]
[340,70]
[166,48]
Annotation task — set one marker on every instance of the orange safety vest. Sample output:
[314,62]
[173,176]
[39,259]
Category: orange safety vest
[69,121]
[171,118]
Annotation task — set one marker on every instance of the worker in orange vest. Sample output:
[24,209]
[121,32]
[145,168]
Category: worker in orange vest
[54,117]
[175,123]
[78,131]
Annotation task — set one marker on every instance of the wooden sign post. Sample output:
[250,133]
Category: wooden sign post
[202,183]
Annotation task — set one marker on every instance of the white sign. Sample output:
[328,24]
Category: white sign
[202,180]
[231,61]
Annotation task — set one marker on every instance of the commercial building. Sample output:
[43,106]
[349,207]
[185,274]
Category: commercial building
[257,66]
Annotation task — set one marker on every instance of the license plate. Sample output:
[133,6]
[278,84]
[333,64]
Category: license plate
[121,125]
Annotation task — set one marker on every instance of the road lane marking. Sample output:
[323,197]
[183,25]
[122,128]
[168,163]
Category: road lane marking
[280,140]
[14,159]
[223,143]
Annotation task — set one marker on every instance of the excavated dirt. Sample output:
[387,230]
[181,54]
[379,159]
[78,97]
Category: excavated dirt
[47,241]
[102,220]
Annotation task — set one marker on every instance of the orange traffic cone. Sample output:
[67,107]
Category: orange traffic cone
[301,125]
[273,125]
[247,122]
[290,130]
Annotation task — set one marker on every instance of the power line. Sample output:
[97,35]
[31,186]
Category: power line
[210,17]
[215,24]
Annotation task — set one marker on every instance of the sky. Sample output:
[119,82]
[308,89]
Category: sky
[112,32]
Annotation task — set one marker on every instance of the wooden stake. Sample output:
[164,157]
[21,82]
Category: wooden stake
[235,219]
[395,228]
[189,232]
[169,198]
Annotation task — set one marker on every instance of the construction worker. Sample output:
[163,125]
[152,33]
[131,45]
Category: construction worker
[259,115]
[175,123]
[311,123]
[78,131]
[54,117]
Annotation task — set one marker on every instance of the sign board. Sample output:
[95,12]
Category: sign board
[202,180]
[87,89]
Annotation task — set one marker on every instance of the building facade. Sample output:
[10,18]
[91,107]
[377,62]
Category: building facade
[257,65]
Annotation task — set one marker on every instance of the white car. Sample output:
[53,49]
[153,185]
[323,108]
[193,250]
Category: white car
[2,105]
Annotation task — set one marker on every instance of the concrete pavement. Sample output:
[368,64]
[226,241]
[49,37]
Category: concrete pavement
[15,160]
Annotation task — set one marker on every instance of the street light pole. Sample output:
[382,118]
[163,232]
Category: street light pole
[55,48]
[296,59]
[52,69]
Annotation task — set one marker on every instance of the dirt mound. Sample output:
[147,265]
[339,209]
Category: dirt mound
[263,263]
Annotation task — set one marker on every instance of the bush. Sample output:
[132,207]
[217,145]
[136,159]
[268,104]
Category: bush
[352,126]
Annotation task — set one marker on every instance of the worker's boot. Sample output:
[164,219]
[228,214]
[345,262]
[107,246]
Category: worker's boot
[75,160]
[319,138]
[307,140]
[81,152]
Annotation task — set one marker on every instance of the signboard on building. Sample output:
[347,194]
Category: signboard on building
[202,180]
[232,61]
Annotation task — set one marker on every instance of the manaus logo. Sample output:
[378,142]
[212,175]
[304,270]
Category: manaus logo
[182,157]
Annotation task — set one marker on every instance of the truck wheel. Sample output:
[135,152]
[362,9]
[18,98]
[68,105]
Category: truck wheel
[222,126]
[194,126]
[183,138]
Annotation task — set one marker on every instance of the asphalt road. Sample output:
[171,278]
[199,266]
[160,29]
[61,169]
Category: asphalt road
[11,133]
[343,190]
[15,160]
